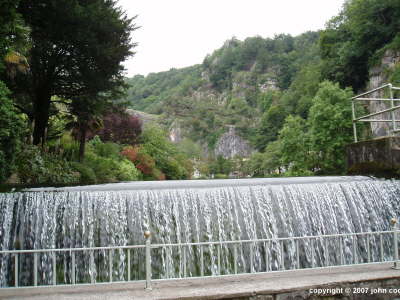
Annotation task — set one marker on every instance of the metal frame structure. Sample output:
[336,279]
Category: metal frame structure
[323,239]
[365,118]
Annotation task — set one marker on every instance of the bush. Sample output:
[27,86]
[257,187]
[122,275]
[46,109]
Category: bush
[221,176]
[127,171]
[109,149]
[107,164]
[87,175]
[36,167]
[10,131]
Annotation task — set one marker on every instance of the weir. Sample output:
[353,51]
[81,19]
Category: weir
[184,212]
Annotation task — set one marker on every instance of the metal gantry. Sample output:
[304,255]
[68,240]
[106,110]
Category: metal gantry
[366,118]
[311,241]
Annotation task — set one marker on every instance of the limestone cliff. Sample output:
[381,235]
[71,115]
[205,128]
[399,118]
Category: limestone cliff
[230,145]
[378,76]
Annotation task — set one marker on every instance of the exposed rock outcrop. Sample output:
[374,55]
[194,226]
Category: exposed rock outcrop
[379,76]
[144,117]
[230,145]
[175,132]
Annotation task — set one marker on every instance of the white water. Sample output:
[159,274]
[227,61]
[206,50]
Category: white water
[193,211]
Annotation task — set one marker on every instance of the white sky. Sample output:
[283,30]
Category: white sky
[180,33]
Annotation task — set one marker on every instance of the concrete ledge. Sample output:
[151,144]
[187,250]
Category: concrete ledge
[274,285]
[378,157]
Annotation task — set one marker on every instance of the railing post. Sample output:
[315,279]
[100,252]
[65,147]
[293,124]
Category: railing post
[73,273]
[235,258]
[16,270]
[54,268]
[129,264]
[35,269]
[396,264]
[251,258]
[353,108]
[392,112]
[147,235]
[201,260]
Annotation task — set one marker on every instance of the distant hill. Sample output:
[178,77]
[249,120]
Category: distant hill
[235,85]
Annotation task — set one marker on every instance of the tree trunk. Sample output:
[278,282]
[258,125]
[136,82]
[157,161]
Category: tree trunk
[82,141]
[41,111]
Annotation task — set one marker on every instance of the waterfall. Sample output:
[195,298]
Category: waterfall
[194,211]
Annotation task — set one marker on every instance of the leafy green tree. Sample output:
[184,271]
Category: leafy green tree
[330,123]
[221,165]
[351,39]
[265,163]
[77,50]
[295,144]
[271,122]
[11,128]
[12,31]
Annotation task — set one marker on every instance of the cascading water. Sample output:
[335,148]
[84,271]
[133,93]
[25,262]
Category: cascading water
[193,211]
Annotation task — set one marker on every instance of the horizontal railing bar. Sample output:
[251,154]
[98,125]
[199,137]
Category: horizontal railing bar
[270,239]
[379,112]
[198,243]
[396,88]
[377,99]
[376,120]
[71,249]
[371,91]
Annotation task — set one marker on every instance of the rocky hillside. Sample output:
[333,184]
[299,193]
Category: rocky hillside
[220,104]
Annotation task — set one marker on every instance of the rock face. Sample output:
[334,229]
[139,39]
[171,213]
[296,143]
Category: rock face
[175,132]
[379,76]
[230,145]
[144,117]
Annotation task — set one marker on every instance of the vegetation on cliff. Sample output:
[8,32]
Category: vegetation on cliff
[288,96]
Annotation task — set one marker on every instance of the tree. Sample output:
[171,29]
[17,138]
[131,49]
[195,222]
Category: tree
[119,127]
[295,145]
[330,123]
[77,50]
[271,122]
[12,30]
[10,133]
[351,39]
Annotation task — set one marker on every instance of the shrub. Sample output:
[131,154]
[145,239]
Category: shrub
[127,171]
[36,167]
[10,131]
[87,175]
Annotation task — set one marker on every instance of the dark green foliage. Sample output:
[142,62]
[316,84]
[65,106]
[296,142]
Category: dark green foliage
[295,145]
[168,159]
[220,166]
[330,123]
[36,167]
[77,50]
[13,33]
[146,93]
[11,129]
[87,175]
[271,122]
[349,43]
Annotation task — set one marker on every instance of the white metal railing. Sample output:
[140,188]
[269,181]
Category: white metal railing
[366,118]
[323,239]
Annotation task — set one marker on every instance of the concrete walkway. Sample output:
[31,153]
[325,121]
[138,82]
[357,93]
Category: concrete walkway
[225,287]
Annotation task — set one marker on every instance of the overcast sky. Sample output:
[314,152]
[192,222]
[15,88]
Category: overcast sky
[180,33]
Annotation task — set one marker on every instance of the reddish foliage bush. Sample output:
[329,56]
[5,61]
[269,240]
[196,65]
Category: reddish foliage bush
[119,127]
[145,163]
[130,153]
